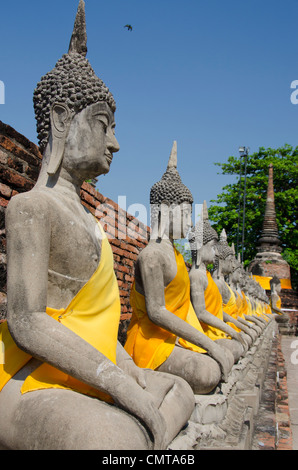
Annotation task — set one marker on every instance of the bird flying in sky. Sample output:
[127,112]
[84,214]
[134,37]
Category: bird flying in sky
[129,27]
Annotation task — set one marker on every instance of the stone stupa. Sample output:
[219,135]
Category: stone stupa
[269,261]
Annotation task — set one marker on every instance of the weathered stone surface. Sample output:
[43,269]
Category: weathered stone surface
[269,262]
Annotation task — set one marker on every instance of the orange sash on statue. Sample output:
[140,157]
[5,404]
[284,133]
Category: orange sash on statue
[147,343]
[213,304]
[93,314]
[230,308]
[244,304]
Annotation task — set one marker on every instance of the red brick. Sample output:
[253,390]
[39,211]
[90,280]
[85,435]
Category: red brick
[122,268]
[3,202]
[88,198]
[17,151]
[126,316]
[5,129]
[17,180]
[117,251]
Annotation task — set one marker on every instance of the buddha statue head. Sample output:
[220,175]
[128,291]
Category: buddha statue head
[236,273]
[244,281]
[252,287]
[171,203]
[224,260]
[75,113]
[203,240]
[275,284]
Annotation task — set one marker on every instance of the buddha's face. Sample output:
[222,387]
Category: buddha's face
[235,276]
[180,220]
[208,252]
[242,281]
[90,142]
[251,289]
[227,265]
[278,288]
[235,264]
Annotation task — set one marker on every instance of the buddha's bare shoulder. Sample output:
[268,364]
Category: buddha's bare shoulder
[198,277]
[30,203]
[153,256]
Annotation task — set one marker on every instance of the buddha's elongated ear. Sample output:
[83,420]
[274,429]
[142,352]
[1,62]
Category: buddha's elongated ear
[60,122]
[163,228]
[198,256]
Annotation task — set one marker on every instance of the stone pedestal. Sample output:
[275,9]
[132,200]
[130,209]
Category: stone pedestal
[224,420]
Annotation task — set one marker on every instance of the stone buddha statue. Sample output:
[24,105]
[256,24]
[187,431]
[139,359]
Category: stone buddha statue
[223,267]
[233,281]
[248,304]
[164,333]
[205,295]
[275,300]
[66,382]
[259,298]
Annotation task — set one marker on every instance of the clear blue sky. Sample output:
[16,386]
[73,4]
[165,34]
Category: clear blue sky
[211,74]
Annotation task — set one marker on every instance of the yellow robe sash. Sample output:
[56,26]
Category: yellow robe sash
[259,311]
[265,282]
[93,314]
[231,308]
[213,304]
[268,309]
[148,344]
[244,304]
[250,310]
[278,305]
[239,304]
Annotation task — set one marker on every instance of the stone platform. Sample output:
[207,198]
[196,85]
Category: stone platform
[225,419]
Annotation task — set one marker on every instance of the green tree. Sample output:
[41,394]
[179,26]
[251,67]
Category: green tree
[225,210]
[183,247]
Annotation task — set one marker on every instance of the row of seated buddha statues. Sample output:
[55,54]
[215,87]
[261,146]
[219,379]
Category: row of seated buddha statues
[66,382]
[193,325]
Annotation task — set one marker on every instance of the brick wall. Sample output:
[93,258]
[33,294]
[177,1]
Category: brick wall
[20,162]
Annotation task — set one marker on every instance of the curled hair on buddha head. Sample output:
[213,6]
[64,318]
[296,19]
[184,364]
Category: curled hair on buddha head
[223,249]
[72,82]
[169,191]
[208,232]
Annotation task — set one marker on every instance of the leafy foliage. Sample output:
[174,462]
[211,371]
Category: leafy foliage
[224,213]
[183,247]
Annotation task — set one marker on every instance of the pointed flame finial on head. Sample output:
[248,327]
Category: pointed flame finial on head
[223,236]
[173,157]
[205,211]
[78,42]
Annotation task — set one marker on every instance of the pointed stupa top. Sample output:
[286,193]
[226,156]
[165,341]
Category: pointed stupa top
[170,188]
[78,42]
[269,240]
[223,236]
